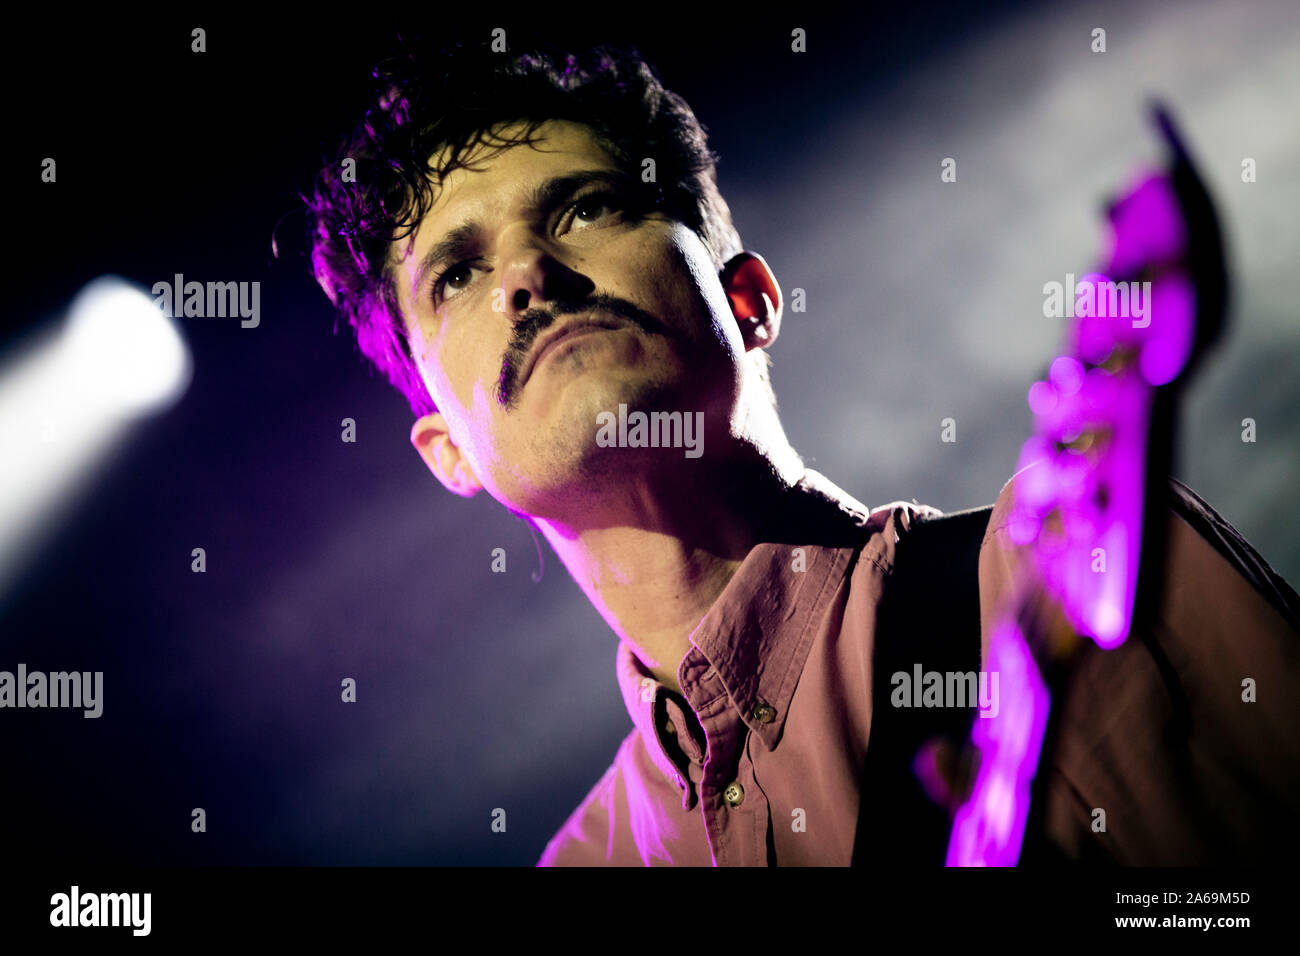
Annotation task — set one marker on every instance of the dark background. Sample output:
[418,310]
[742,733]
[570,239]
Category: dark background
[329,560]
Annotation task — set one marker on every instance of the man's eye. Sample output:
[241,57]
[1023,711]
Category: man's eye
[453,280]
[591,209]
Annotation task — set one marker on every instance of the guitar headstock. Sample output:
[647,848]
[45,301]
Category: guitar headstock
[1141,323]
[1090,482]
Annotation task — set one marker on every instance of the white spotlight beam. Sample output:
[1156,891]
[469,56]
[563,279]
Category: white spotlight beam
[67,401]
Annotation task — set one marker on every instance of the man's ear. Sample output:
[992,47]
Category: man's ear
[755,298]
[433,441]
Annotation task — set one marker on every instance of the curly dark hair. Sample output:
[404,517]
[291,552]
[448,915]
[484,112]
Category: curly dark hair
[453,99]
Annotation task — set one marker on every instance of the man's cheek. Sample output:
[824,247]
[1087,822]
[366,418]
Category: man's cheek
[696,291]
[467,391]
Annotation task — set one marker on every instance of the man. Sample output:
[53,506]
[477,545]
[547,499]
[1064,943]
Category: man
[535,252]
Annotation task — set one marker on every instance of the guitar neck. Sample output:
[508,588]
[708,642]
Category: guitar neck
[1091,487]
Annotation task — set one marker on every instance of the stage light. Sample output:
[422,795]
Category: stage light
[66,401]
[122,349]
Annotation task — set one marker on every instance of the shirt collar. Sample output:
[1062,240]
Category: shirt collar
[758,632]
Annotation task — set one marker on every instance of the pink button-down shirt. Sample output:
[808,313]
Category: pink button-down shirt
[1177,748]
[761,766]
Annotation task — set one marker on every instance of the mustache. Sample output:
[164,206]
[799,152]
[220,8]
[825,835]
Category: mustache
[533,322]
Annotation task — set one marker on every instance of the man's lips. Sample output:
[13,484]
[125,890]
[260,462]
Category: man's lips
[560,333]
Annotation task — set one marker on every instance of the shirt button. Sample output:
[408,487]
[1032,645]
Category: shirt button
[765,713]
[734,794]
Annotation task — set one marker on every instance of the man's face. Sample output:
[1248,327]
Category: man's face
[550,234]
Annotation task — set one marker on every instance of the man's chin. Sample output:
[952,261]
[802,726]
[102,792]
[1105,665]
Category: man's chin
[582,397]
[577,417]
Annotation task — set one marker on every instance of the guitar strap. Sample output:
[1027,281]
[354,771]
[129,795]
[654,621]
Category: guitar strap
[929,616]
[1236,550]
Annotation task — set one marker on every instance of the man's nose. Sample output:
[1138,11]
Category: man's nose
[535,273]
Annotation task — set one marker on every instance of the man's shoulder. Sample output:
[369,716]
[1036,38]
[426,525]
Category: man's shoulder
[885,526]
[1003,506]
[584,838]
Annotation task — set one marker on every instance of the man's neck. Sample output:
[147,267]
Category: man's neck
[655,562]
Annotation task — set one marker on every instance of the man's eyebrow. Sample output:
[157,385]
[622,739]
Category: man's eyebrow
[545,197]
